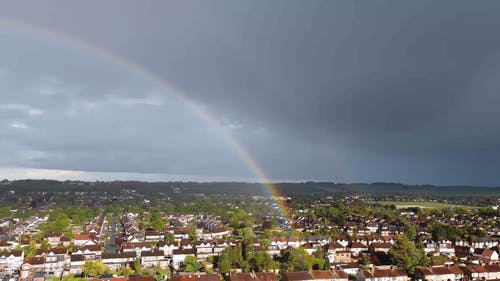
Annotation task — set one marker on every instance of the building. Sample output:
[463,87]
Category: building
[260,276]
[393,274]
[178,256]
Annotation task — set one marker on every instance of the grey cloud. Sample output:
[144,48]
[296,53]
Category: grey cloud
[122,124]
[22,108]
[326,90]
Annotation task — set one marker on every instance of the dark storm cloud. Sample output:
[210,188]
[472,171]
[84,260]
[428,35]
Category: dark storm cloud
[328,90]
[65,108]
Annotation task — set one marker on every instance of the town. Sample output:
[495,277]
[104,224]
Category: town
[249,140]
[175,235]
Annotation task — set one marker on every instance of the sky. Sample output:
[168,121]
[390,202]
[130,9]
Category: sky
[341,91]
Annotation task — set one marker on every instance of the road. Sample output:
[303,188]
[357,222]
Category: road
[110,244]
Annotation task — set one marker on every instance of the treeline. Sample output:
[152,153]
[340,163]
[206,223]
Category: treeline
[242,188]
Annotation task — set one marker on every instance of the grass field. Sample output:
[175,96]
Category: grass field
[408,204]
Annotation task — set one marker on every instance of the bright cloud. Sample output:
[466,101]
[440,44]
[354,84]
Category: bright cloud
[18,125]
[23,108]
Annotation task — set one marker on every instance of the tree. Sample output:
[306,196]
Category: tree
[169,238]
[265,242]
[231,256]
[93,269]
[162,274]
[236,255]
[224,263]
[411,232]
[155,221]
[169,208]
[58,222]
[439,259]
[246,266]
[192,233]
[297,260]
[364,261]
[240,219]
[72,278]
[444,231]
[406,255]
[247,233]
[247,249]
[4,212]
[137,265]
[125,271]
[30,250]
[191,264]
[45,245]
[327,265]
[319,262]
[262,261]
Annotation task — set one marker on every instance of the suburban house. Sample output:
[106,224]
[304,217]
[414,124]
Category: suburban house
[487,254]
[168,248]
[151,236]
[479,272]
[85,239]
[178,256]
[154,259]
[195,277]
[32,265]
[317,275]
[10,261]
[393,274]
[329,275]
[118,260]
[358,247]
[76,263]
[380,247]
[259,276]
[441,273]
[297,276]
[89,252]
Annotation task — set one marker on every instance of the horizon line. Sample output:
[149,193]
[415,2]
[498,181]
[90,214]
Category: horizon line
[248,182]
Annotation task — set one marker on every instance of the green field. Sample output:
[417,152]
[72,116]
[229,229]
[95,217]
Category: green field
[407,204]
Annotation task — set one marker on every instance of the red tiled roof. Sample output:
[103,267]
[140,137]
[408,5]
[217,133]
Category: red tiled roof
[380,273]
[184,251]
[209,277]
[335,245]
[85,236]
[476,269]
[297,276]
[59,251]
[36,260]
[424,270]
[241,277]
[492,268]
[340,274]
[487,253]
[195,277]
[261,276]
[441,270]
[92,248]
[141,278]
[357,245]
[381,245]
[456,270]
[112,279]
[132,245]
[322,274]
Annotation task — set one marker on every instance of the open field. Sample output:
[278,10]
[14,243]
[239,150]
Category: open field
[410,204]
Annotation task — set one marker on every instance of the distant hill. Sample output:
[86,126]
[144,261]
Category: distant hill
[235,188]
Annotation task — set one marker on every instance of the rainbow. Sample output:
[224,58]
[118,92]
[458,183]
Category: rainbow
[211,121]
